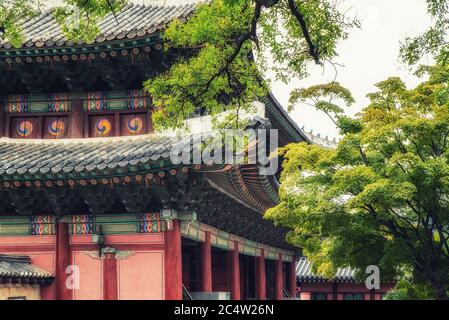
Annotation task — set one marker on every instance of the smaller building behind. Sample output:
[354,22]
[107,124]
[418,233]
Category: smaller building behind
[342,287]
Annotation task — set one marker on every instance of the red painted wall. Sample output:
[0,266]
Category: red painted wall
[141,276]
[90,276]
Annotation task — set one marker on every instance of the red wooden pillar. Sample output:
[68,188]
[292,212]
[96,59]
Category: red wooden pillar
[77,119]
[206,265]
[110,288]
[292,278]
[234,274]
[173,263]
[261,289]
[278,279]
[63,292]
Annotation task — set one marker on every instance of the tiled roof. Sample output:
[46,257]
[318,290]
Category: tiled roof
[75,156]
[133,21]
[304,273]
[68,159]
[14,268]
[38,159]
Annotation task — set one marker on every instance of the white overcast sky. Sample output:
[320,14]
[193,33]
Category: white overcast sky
[369,55]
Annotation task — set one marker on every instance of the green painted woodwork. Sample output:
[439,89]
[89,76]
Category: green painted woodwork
[117,100]
[251,251]
[221,243]
[13,229]
[273,255]
[124,44]
[111,224]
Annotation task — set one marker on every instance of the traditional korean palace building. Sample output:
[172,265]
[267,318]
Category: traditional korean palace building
[91,207]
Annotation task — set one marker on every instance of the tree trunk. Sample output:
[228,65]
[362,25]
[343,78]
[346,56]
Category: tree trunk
[437,283]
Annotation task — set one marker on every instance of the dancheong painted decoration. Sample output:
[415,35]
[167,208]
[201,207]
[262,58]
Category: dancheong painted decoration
[135,125]
[103,126]
[56,128]
[86,182]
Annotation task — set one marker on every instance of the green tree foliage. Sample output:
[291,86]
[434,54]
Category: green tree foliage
[381,197]
[324,97]
[221,73]
[407,289]
[11,16]
[431,41]
[79,18]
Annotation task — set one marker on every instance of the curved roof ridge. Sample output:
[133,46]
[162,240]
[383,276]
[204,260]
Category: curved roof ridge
[290,125]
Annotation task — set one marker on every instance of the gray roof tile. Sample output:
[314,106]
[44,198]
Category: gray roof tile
[134,20]
[28,157]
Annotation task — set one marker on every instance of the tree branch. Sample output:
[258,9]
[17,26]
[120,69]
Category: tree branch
[313,50]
